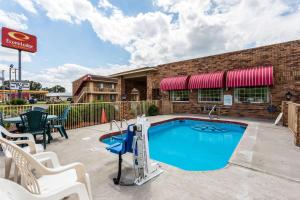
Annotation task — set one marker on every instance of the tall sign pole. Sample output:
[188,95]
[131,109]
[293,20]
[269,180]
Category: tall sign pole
[22,42]
[20,78]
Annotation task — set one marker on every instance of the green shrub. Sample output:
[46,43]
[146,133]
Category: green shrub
[153,110]
[18,102]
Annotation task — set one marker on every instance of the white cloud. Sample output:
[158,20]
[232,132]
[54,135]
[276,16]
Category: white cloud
[13,20]
[27,5]
[182,29]
[73,11]
[178,29]
[105,4]
[65,74]
[11,55]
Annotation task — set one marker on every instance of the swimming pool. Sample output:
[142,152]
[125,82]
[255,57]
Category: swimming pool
[192,144]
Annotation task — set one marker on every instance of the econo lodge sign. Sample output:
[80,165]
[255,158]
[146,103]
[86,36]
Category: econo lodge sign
[18,40]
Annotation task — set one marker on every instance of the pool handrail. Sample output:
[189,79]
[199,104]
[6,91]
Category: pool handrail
[210,112]
[124,120]
[115,122]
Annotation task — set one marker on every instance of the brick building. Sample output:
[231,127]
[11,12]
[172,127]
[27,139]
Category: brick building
[90,88]
[250,83]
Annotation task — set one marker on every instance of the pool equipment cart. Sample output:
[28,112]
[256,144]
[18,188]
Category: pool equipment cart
[136,142]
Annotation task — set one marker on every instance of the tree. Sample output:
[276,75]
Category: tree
[56,88]
[5,85]
[35,85]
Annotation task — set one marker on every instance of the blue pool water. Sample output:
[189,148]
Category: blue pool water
[192,144]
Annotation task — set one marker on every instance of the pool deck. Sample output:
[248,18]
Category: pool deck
[265,165]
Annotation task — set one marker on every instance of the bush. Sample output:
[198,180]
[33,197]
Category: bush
[153,110]
[17,102]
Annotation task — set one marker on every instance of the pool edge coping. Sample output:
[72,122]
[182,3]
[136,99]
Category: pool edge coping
[115,133]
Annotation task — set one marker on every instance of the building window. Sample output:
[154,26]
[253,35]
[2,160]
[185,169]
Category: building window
[156,94]
[251,95]
[113,86]
[179,95]
[101,85]
[100,97]
[112,97]
[210,95]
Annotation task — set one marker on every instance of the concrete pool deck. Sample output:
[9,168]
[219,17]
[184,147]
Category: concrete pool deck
[265,165]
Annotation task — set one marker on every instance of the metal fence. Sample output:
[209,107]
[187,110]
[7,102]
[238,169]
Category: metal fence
[87,114]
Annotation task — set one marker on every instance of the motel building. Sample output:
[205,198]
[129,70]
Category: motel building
[246,83]
[93,88]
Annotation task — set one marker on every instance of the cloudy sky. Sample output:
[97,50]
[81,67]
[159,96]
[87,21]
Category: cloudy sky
[76,37]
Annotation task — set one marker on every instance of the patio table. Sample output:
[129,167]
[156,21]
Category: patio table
[18,120]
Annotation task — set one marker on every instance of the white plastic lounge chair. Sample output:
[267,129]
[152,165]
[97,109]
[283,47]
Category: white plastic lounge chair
[49,183]
[31,148]
[10,190]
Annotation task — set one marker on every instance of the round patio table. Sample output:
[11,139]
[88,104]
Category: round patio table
[18,120]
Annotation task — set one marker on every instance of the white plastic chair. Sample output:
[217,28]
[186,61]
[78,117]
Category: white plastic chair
[10,190]
[31,148]
[49,183]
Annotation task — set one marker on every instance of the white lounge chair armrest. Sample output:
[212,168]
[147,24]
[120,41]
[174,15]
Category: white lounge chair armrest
[31,144]
[78,167]
[48,156]
[22,135]
[28,135]
[11,135]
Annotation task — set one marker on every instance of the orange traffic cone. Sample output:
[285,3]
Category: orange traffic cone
[103,117]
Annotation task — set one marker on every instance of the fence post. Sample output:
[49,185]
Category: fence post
[297,133]
[284,110]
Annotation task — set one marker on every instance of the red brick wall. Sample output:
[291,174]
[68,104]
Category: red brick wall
[285,58]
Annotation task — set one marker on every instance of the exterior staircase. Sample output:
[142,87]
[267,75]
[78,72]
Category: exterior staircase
[81,95]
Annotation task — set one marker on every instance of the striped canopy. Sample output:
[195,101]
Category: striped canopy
[209,80]
[258,76]
[174,83]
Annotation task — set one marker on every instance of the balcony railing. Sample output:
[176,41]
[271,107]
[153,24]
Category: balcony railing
[100,90]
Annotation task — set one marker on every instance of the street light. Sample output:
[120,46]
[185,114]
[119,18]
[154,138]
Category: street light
[11,66]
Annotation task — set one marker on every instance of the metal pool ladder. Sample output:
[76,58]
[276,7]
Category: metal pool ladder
[114,122]
[124,120]
[210,115]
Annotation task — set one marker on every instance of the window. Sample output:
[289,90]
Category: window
[210,95]
[179,95]
[113,86]
[156,94]
[251,95]
[101,85]
[112,97]
[100,97]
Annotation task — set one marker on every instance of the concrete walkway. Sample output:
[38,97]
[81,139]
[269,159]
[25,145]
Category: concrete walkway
[265,165]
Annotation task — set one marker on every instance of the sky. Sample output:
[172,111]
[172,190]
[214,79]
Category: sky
[76,37]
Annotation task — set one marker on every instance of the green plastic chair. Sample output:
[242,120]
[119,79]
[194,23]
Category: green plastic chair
[1,119]
[60,122]
[35,122]
[2,122]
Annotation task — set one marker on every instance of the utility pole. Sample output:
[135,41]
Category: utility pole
[15,74]
[2,80]
[10,68]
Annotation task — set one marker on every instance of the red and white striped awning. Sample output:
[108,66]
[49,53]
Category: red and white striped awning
[258,76]
[174,83]
[209,80]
